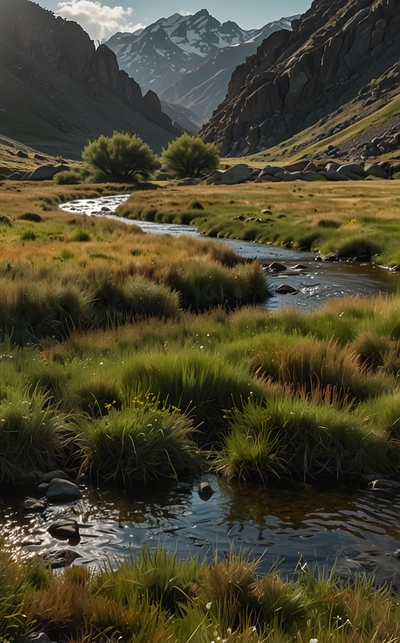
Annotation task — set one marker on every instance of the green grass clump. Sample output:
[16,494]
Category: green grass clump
[13,596]
[159,598]
[203,286]
[299,438]
[305,364]
[358,245]
[160,576]
[199,383]
[142,441]
[33,433]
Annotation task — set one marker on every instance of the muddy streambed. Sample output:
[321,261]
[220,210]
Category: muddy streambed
[353,527]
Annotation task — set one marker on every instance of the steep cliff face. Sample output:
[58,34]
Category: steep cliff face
[297,78]
[52,66]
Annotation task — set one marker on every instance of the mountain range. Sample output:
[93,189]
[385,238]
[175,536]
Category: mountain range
[327,83]
[204,87]
[339,66]
[159,54]
[188,60]
[57,90]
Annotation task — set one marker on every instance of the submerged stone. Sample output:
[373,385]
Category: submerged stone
[64,528]
[63,491]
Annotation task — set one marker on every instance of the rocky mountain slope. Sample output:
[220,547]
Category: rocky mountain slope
[57,91]
[204,87]
[168,48]
[338,65]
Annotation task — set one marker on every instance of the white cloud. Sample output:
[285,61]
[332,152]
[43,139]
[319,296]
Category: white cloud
[99,20]
[186,13]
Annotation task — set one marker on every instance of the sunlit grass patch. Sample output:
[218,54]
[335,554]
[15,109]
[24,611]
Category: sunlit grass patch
[33,434]
[292,437]
[195,381]
[142,441]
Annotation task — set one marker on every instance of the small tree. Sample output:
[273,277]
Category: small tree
[121,156]
[189,156]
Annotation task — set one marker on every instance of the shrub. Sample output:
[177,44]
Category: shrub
[189,156]
[28,235]
[121,156]
[68,177]
[31,216]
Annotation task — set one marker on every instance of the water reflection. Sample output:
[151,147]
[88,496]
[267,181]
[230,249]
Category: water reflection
[350,528]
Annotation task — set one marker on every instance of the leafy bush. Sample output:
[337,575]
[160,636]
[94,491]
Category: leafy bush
[122,156]
[189,156]
[68,177]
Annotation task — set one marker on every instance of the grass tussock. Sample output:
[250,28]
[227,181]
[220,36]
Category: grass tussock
[142,441]
[300,438]
[33,433]
[194,381]
[157,597]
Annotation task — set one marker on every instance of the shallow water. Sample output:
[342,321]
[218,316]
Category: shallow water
[316,283]
[356,529]
[351,527]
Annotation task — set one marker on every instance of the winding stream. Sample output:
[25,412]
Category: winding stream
[354,527]
[315,284]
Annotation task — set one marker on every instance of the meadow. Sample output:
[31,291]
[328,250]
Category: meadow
[347,219]
[129,357]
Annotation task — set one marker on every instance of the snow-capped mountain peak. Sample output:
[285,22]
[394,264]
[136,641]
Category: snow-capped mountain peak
[169,47]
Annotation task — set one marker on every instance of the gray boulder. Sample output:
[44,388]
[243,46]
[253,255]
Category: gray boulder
[283,175]
[373,169]
[270,170]
[60,490]
[354,171]
[48,477]
[205,489]
[275,266]
[57,558]
[236,174]
[36,637]
[335,176]
[44,172]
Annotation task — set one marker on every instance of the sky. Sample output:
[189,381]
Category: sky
[102,19]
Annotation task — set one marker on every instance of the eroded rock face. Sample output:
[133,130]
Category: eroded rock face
[296,78]
[69,84]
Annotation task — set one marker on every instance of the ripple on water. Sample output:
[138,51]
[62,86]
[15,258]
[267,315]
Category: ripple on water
[354,529]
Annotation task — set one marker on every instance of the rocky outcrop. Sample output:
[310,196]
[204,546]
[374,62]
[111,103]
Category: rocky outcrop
[59,83]
[297,78]
[302,171]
